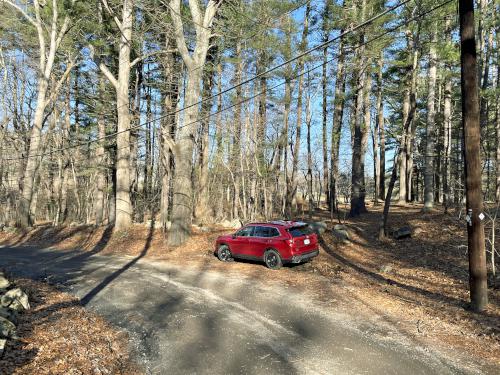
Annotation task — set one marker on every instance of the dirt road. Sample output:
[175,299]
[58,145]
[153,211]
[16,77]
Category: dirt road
[191,321]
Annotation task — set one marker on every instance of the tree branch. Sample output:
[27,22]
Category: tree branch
[179,33]
[59,83]
[104,69]
[21,10]
[112,14]
[144,57]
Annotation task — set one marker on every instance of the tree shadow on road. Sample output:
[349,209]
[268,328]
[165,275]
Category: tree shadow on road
[109,279]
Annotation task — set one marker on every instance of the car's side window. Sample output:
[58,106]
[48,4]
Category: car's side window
[274,232]
[260,232]
[245,232]
[266,232]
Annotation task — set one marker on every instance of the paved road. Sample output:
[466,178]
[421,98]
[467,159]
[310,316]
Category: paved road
[186,321]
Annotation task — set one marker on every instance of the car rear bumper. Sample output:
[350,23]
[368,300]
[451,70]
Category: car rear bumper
[303,257]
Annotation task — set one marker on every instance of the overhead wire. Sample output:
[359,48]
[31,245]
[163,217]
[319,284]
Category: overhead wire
[317,66]
[240,84]
[243,39]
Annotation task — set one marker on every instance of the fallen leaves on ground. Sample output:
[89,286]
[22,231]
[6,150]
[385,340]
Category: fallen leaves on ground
[58,336]
[422,291]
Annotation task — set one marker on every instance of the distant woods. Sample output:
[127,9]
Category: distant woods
[114,112]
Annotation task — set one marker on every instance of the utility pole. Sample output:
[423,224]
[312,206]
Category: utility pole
[471,131]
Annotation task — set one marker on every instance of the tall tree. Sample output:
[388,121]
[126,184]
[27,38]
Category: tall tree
[430,130]
[121,84]
[472,157]
[182,208]
[49,41]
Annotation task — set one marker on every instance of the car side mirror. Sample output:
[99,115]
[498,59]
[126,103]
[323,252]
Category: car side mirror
[233,236]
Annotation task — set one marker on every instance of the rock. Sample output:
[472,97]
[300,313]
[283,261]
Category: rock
[341,233]
[200,228]
[318,227]
[235,224]
[403,232]
[7,328]
[15,299]
[4,283]
[2,346]
[386,268]
[8,314]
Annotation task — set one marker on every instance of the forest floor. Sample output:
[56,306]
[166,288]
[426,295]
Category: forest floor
[59,336]
[418,284]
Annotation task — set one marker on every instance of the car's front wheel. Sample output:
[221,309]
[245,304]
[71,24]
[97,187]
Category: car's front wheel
[273,259]
[224,254]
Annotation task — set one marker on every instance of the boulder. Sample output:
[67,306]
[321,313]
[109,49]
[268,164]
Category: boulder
[341,232]
[15,299]
[8,314]
[318,227]
[234,224]
[4,283]
[403,232]
[7,328]
[386,268]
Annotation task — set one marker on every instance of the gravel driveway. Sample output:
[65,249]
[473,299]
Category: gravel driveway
[191,321]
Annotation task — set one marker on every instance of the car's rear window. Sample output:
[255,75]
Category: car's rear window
[300,231]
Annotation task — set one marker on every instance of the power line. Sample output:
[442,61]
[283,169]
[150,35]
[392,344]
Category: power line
[310,50]
[241,39]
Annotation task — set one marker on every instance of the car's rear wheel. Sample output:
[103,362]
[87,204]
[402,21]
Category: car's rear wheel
[273,259]
[224,254]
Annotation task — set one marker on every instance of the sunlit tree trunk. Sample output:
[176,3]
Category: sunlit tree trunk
[49,40]
[182,207]
[430,131]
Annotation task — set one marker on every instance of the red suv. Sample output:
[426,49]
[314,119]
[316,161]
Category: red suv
[275,243]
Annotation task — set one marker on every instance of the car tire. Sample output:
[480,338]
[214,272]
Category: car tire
[273,259]
[224,254]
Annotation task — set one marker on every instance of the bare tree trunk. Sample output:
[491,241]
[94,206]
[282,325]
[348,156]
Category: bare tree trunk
[170,97]
[123,203]
[135,189]
[46,59]
[146,185]
[309,155]
[236,138]
[102,163]
[387,202]
[182,207]
[292,184]
[380,133]
[471,129]
[361,125]
[497,121]
[430,132]
[404,142]
[201,209]
[497,111]
[338,117]
[326,15]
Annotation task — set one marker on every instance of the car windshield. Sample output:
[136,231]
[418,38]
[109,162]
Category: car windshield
[300,231]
